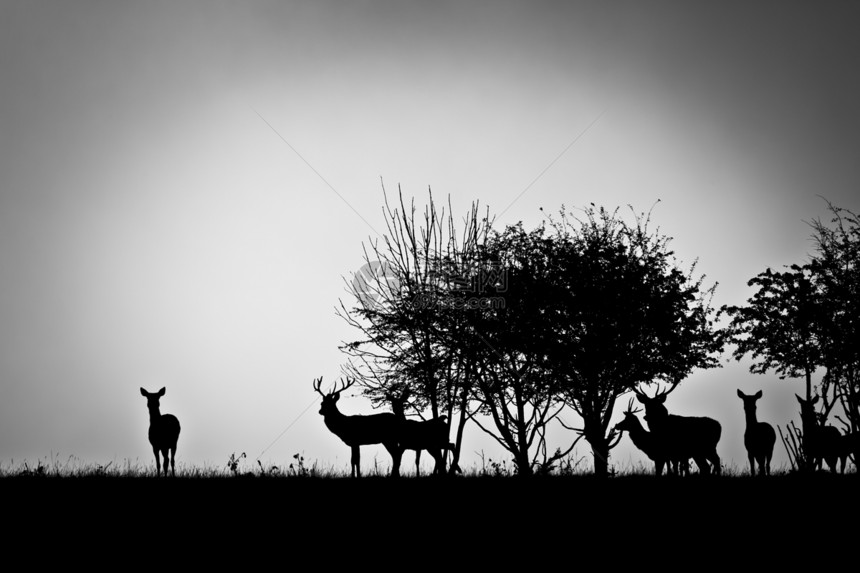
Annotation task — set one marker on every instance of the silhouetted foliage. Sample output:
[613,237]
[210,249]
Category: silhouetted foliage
[626,316]
[778,326]
[836,268]
[407,314]
[518,325]
[808,318]
[515,385]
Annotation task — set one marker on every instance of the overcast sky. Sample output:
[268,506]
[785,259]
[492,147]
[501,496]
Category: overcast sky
[155,230]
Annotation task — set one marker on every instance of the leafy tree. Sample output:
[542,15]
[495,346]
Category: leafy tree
[836,271]
[626,315]
[807,318]
[515,388]
[779,325]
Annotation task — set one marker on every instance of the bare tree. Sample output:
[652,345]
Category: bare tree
[406,315]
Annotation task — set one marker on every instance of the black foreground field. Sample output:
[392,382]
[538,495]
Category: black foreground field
[221,515]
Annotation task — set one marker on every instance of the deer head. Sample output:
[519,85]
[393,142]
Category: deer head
[329,401]
[749,400]
[630,421]
[655,407]
[152,398]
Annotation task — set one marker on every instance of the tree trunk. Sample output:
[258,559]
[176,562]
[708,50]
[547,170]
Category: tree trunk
[458,443]
[524,465]
[599,447]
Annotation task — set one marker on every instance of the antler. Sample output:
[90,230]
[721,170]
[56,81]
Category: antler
[659,392]
[344,385]
[666,392]
[317,384]
[630,409]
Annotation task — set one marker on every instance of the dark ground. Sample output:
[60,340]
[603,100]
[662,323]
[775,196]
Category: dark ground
[433,521]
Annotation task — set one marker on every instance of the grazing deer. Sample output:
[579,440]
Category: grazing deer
[430,435]
[684,437]
[649,444]
[163,431]
[357,431]
[759,437]
[820,443]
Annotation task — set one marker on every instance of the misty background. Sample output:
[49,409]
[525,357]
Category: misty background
[156,230]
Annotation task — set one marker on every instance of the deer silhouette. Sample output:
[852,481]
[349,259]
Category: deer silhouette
[430,435]
[684,437]
[357,431]
[759,437]
[820,443]
[163,431]
[648,443]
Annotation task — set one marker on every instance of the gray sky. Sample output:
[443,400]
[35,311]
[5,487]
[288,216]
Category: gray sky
[154,231]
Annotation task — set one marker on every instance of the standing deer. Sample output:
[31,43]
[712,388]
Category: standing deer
[820,443]
[649,444]
[357,431]
[430,435]
[163,431]
[759,437]
[684,437]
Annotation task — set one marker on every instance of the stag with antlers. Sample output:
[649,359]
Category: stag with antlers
[821,443]
[649,444]
[357,431]
[759,437]
[684,437]
[430,435]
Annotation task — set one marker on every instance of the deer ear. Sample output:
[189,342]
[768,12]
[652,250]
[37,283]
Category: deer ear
[335,397]
[814,400]
[758,395]
[162,391]
[740,394]
[143,392]
[799,401]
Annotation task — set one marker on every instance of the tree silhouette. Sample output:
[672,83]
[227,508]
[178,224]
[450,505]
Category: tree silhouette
[515,385]
[807,318]
[404,311]
[779,326]
[626,316]
[836,268]
[518,325]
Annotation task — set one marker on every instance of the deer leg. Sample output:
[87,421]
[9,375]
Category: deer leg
[355,461]
[396,457]
[440,457]
[714,458]
[157,460]
[165,453]
[417,462]
[173,461]
[752,464]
